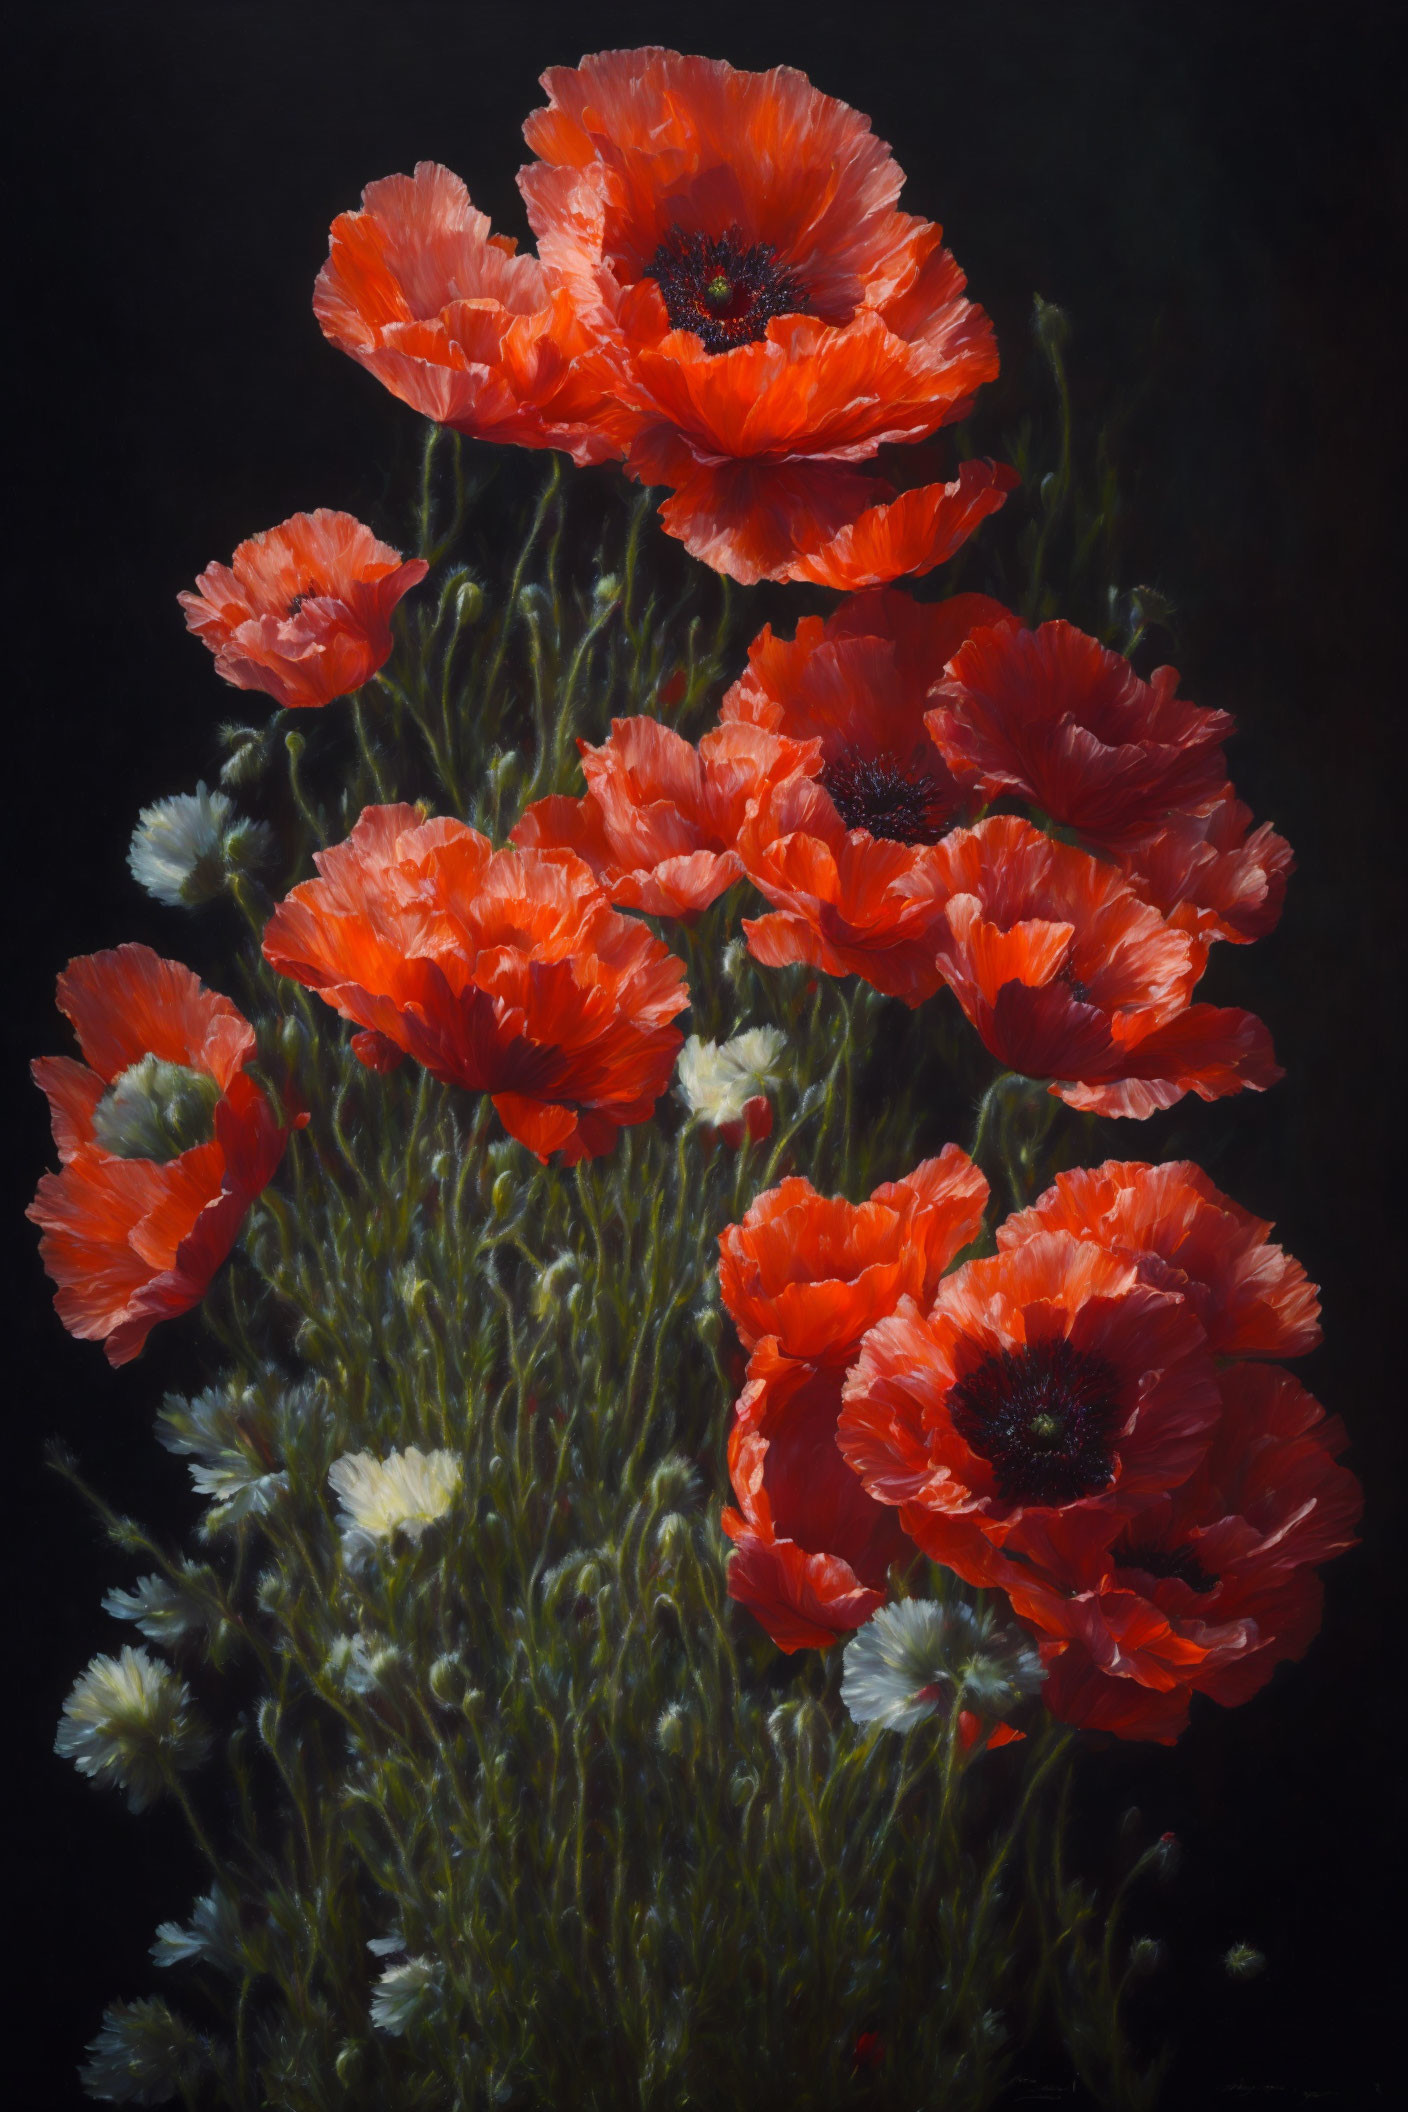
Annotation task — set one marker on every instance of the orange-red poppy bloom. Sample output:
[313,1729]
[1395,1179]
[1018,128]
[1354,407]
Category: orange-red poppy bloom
[767,320]
[1253,1299]
[448,318]
[1049,1392]
[859,683]
[660,818]
[816,1271]
[164,1142]
[845,900]
[303,611]
[1233,874]
[1053,717]
[1070,975]
[1208,1587]
[803,1277]
[506,972]
[812,1550]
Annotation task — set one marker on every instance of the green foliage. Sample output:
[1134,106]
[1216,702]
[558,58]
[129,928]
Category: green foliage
[613,1849]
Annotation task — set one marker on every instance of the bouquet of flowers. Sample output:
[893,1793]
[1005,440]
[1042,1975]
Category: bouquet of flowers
[674,1515]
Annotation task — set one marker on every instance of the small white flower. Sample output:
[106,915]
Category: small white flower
[402,1993]
[129,1722]
[180,847]
[163,1613]
[405,1492]
[142,2056]
[213,1938]
[229,1432]
[716,1080]
[920,1658]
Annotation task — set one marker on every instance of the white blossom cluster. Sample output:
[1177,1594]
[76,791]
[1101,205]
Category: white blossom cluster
[717,1079]
[403,1493]
[922,1658]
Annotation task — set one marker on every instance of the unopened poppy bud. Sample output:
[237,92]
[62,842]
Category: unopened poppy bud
[1243,1962]
[1146,1955]
[553,1285]
[469,601]
[1051,325]
[348,2065]
[446,1679]
[590,1579]
[607,588]
[248,756]
[672,1535]
[501,1195]
[156,1110]
[671,1730]
[293,1039]
[246,846]
[675,1483]
[1166,1855]
[503,767]
[707,1322]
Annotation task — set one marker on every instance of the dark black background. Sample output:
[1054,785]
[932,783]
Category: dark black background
[1217,194]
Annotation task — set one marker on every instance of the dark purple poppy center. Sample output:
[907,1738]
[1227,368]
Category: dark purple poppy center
[887,796]
[722,288]
[1162,1562]
[1044,1417]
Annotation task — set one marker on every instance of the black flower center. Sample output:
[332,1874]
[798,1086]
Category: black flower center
[888,797]
[722,288]
[1178,1562]
[1044,1417]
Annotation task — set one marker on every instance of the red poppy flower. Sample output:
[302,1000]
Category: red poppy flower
[660,818]
[1209,1587]
[303,611]
[1068,974]
[1053,717]
[1048,1394]
[507,972]
[812,1549]
[164,1142]
[1217,862]
[847,901]
[816,1271]
[859,683]
[767,320]
[1252,1298]
[448,318]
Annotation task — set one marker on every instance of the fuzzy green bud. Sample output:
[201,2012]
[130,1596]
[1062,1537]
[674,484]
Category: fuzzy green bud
[156,1110]
[672,1536]
[672,1730]
[446,1680]
[501,1194]
[1243,1962]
